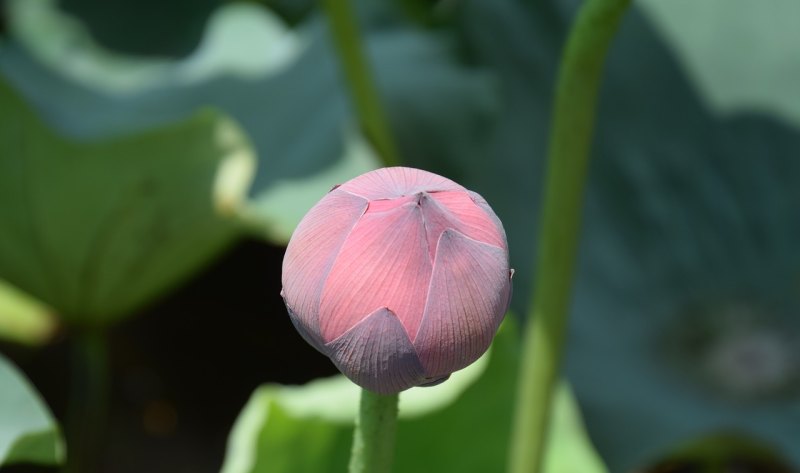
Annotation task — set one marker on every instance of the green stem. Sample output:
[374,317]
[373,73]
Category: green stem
[570,142]
[373,439]
[86,418]
[364,93]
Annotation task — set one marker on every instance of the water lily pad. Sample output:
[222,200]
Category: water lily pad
[309,428]
[61,41]
[96,229]
[696,271]
[172,28]
[741,56]
[287,94]
[686,214]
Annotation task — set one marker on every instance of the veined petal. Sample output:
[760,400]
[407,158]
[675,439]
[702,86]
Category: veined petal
[457,211]
[476,219]
[437,218]
[377,354]
[303,327]
[478,200]
[390,183]
[311,252]
[468,297]
[383,263]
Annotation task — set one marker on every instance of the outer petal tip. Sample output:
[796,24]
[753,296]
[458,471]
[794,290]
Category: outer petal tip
[377,354]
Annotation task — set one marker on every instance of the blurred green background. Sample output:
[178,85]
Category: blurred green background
[156,156]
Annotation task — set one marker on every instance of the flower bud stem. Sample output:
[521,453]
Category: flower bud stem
[570,142]
[363,91]
[373,439]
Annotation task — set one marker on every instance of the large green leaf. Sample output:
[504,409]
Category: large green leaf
[28,432]
[742,56]
[96,229]
[295,109]
[686,313]
[275,212]
[690,244]
[61,42]
[461,425]
[686,213]
[147,27]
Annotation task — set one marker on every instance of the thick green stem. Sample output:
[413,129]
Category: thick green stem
[373,440]
[86,418]
[570,143]
[364,93]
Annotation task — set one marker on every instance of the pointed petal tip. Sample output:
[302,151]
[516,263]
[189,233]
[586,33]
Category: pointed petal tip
[377,354]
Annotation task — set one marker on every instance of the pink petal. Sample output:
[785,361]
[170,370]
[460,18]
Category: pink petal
[389,183]
[377,355]
[468,297]
[437,219]
[311,252]
[476,218]
[383,263]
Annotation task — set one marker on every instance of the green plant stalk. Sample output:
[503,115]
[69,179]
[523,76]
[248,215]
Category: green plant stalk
[86,416]
[373,438]
[361,84]
[570,142]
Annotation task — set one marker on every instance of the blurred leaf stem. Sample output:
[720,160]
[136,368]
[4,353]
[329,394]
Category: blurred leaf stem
[359,78]
[373,440]
[570,142]
[86,417]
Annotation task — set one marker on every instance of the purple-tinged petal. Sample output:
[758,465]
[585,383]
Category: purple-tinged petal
[390,183]
[311,252]
[476,218]
[377,355]
[437,218]
[498,225]
[383,263]
[468,297]
[457,211]
[310,336]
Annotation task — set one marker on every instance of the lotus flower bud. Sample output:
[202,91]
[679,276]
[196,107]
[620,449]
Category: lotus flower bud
[400,276]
